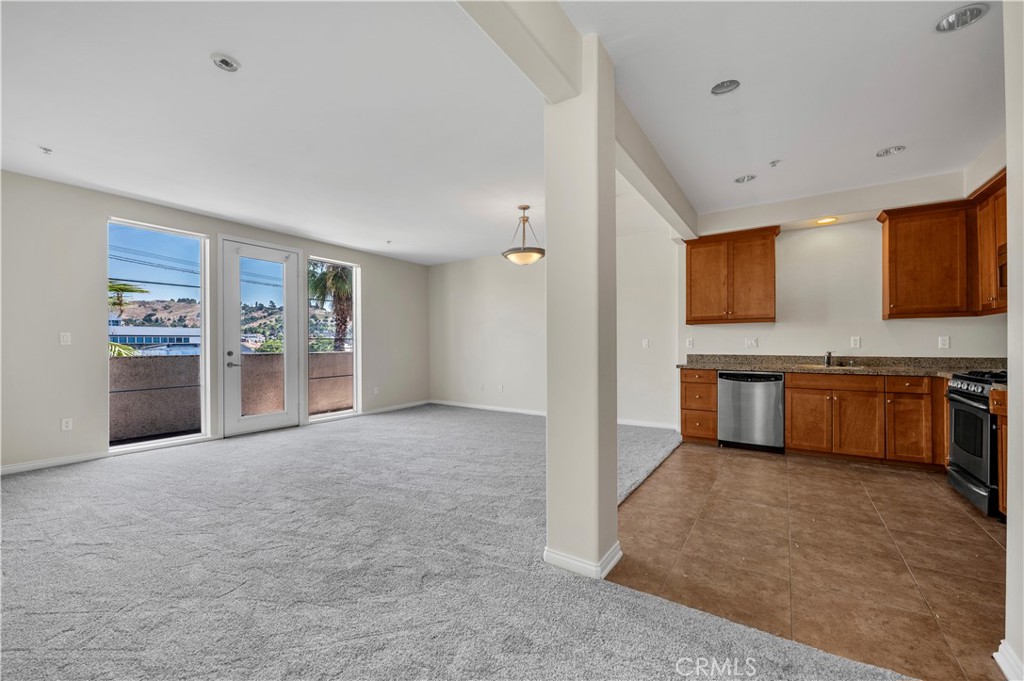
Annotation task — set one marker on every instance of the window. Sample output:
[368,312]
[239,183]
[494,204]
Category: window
[155,285]
[331,336]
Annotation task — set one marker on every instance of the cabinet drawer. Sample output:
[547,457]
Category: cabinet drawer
[908,384]
[700,396]
[700,424]
[997,402]
[836,382]
[698,376]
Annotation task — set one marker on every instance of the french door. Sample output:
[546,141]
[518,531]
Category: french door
[261,347]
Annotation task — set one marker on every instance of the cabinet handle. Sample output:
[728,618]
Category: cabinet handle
[888,401]
[698,397]
[892,305]
[828,397]
[907,384]
[698,423]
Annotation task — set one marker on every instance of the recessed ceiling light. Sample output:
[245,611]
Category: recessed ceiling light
[225,62]
[724,87]
[744,179]
[961,17]
[890,151]
[826,221]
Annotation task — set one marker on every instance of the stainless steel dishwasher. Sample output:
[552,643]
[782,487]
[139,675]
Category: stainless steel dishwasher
[750,410]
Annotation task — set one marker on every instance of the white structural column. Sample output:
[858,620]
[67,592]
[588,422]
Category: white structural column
[1011,652]
[579,163]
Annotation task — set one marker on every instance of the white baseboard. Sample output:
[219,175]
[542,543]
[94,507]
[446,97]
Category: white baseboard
[649,424]
[1008,661]
[584,567]
[394,407]
[9,468]
[487,407]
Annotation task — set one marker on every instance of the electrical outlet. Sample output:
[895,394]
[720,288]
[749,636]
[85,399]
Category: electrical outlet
[376,390]
[943,342]
[689,341]
[65,338]
[854,341]
[501,387]
[751,342]
[645,343]
[66,423]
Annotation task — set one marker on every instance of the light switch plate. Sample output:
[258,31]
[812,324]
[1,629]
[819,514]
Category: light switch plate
[689,341]
[645,343]
[65,338]
[751,342]
[854,341]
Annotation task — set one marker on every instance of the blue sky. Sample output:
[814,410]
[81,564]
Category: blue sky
[167,265]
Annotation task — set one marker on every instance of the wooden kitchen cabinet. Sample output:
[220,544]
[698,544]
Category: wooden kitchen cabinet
[997,405]
[988,248]
[731,277]
[809,419]
[908,427]
[858,423]
[924,261]
[698,401]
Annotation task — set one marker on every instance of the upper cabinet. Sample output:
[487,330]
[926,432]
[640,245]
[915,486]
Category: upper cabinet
[924,261]
[989,257]
[946,259]
[730,278]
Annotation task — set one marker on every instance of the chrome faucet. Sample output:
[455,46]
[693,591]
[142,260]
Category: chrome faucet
[828,358]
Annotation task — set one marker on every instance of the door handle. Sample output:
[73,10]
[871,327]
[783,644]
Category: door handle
[232,365]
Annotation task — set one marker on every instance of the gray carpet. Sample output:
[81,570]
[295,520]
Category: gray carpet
[396,546]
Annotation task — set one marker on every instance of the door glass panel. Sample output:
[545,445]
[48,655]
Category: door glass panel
[261,346]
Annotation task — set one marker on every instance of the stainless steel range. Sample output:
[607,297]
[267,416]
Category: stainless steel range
[973,434]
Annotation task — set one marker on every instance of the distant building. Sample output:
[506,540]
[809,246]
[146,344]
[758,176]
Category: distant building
[254,338]
[156,340]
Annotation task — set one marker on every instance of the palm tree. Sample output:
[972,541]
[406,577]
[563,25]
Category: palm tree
[333,283]
[115,291]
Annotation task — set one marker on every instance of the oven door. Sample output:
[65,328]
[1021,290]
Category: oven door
[970,438]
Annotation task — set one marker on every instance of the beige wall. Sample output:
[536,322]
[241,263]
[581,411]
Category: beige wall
[487,328]
[54,279]
[829,288]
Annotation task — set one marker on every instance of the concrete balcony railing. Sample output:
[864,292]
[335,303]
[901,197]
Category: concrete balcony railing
[154,397]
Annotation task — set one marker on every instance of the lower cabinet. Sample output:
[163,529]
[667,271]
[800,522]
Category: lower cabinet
[858,423]
[809,419]
[859,416]
[702,425]
[698,399]
[908,420]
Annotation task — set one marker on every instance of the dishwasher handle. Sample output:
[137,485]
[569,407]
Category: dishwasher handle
[749,377]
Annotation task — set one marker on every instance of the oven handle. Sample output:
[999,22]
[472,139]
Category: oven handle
[970,403]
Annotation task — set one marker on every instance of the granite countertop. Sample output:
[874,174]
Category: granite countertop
[943,367]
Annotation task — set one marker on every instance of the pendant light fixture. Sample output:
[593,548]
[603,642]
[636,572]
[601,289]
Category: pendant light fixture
[523,254]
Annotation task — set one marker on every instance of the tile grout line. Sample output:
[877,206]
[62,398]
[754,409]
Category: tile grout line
[789,534]
[931,610]
[974,519]
[682,546]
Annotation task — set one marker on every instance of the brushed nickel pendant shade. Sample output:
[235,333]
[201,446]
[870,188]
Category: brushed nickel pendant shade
[523,254]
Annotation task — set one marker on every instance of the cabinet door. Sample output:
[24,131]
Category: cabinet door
[926,264]
[809,419]
[752,275]
[987,265]
[999,215]
[858,423]
[707,268]
[908,427]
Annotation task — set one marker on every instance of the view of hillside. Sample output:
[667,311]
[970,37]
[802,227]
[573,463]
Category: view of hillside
[183,312]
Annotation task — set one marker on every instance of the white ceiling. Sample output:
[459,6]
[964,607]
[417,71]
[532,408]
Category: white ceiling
[362,123]
[353,123]
[824,85]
